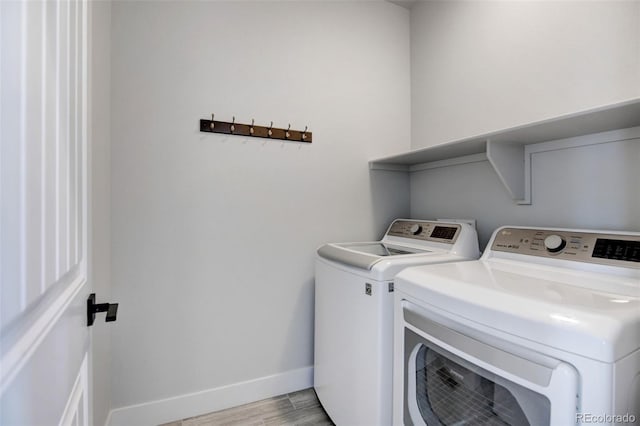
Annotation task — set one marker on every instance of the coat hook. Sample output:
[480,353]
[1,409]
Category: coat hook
[233,127]
[287,134]
[251,128]
[270,127]
[212,125]
[304,133]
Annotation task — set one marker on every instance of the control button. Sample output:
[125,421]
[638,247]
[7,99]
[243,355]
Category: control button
[554,243]
[416,229]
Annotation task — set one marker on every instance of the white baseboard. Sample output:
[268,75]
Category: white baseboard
[197,403]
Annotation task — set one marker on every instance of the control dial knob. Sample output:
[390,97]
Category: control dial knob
[554,243]
[416,229]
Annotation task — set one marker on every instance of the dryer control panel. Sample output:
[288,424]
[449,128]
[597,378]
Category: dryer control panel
[440,232]
[601,248]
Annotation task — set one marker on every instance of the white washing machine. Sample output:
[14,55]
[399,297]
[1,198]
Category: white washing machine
[354,313]
[544,329]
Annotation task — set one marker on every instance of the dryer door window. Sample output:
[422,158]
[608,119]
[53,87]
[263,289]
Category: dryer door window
[450,391]
[457,375]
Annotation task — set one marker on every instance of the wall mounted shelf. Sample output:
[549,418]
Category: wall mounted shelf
[506,150]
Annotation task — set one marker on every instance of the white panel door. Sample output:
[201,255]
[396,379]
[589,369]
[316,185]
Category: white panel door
[44,341]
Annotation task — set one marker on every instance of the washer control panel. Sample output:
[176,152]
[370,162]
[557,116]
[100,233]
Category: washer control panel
[607,249]
[440,232]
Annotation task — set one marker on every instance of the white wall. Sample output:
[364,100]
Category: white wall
[482,66]
[100,168]
[478,67]
[214,236]
[593,187]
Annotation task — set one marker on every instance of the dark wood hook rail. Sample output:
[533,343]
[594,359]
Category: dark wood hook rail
[252,130]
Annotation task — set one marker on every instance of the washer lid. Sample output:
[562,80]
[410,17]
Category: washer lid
[589,314]
[381,249]
[364,255]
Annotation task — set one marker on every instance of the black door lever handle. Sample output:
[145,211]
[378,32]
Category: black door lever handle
[112,312]
[93,308]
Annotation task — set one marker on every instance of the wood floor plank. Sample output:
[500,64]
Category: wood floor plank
[305,398]
[306,416]
[300,408]
[248,414]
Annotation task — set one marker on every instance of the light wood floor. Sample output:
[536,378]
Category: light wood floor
[298,408]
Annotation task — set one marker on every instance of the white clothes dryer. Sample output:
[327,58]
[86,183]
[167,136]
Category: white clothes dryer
[544,329]
[354,313]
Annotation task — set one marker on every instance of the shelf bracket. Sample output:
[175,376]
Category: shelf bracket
[511,166]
